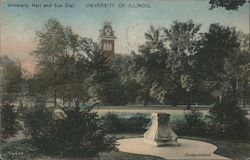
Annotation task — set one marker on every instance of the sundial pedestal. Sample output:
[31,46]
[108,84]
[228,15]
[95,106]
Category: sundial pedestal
[160,133]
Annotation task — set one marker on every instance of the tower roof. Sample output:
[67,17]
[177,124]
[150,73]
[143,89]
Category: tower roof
[107,31]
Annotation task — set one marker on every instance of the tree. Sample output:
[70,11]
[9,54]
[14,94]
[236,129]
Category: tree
[51,47]
[244,67]
[11,79]
[227,4]
[122,65]
[11,87]
[219,59]
[183,43]
[103,83]
[149,65]
[61,62]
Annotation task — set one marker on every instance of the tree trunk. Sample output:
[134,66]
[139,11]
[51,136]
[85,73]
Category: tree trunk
[145,100]
[244,93]
[189,101]
[55,97]
[234,91]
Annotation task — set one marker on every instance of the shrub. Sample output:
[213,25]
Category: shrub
[112,123]
[194,125]
[228,120]
[137,123]
[78,134]
[9,121]
[194,119]
[115,124]
[39,125]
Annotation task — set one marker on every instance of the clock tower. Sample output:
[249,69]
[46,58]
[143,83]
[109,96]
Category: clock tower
[107,40]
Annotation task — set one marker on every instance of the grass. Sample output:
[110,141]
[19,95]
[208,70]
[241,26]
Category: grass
[23,150]
[126,156]
[234,149]
[108,156]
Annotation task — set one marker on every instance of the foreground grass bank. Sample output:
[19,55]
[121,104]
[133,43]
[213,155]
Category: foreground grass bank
[233,149]
[24,150]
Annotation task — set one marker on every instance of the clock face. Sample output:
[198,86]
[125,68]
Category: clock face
[107,31]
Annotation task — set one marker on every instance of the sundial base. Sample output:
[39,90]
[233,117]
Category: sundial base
[160,133]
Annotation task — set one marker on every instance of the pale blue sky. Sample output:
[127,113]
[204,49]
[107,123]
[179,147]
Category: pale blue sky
[18,25]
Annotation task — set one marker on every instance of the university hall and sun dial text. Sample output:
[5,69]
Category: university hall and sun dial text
[84,4]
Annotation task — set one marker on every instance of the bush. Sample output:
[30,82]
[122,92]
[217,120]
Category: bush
[39,125]
[195,119]
[228,120]
[9,121]
[112,123]
[78,134]
[135,124]
[195,124]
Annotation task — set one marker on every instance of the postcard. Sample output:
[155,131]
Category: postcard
[124,79]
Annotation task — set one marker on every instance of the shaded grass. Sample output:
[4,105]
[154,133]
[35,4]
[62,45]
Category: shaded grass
[234,149]
[24,150]
[108,156]
[126,156]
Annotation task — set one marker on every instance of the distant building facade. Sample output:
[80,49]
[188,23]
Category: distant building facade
[107,40]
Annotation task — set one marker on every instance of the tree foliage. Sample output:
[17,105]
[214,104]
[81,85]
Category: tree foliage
[227,4]
[11,84]
[80,133]
[11,79]
[228,119]
[59,68]
[9,121]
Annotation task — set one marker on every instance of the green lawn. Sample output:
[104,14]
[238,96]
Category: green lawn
[234,149]
[23,150]
[108,156]
[126,156]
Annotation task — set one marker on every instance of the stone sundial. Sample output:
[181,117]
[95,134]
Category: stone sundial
[160,133]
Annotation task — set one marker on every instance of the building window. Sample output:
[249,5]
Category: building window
[110,47]
[104,46]
[107,46]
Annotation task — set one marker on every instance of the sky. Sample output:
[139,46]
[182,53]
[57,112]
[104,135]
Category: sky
[19,21]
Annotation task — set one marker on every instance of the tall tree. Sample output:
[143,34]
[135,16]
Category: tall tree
[218,59]
[103,83]
[245,66]
[123,66]
[51,47]
[149,64]
[59,63]
[183,42]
